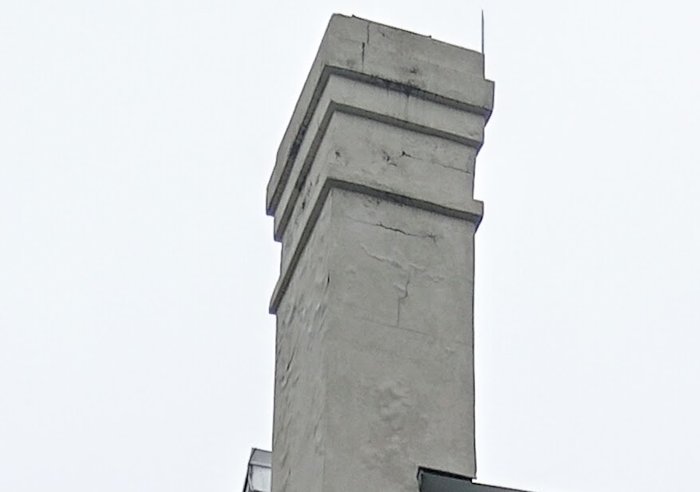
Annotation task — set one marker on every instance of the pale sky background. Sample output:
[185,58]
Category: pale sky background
[136,260]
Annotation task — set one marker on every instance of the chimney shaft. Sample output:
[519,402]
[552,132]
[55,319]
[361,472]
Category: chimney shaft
[372,198]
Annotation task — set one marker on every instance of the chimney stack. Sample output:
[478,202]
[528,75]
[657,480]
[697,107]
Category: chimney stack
[372,198]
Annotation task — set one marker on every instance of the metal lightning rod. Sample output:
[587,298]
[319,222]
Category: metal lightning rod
[482,32]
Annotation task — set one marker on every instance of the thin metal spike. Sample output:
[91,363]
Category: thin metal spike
[483,52]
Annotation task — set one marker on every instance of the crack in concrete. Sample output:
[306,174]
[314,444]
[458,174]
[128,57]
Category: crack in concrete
[365,44]
[410,268]
[432,237]
[390,261]
[402,299]
[450,167]
[427,235]
[390,160]
[387,158]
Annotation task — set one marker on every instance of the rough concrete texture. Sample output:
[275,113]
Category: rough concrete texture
[372,199]
[399,344]
[299,432]
[390,58]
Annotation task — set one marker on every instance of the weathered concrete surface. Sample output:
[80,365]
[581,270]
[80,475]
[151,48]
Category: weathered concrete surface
[372,200]
[385,55]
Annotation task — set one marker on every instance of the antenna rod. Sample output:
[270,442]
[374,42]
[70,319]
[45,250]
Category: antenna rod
[483,52]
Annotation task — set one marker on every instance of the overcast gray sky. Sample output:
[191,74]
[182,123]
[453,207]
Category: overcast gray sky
[136,261]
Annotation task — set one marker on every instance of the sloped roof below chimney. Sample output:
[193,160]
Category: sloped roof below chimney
[259,474]
[436,481]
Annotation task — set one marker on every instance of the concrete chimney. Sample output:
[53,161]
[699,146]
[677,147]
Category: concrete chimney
[372,198]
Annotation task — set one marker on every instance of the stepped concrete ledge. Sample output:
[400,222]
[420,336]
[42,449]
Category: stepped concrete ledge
[372,198]
[367,78]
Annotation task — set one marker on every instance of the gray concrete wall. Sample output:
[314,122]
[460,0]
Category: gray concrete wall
[372,200]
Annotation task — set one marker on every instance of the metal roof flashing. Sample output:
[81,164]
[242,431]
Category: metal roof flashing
[259,475]
[439,481]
